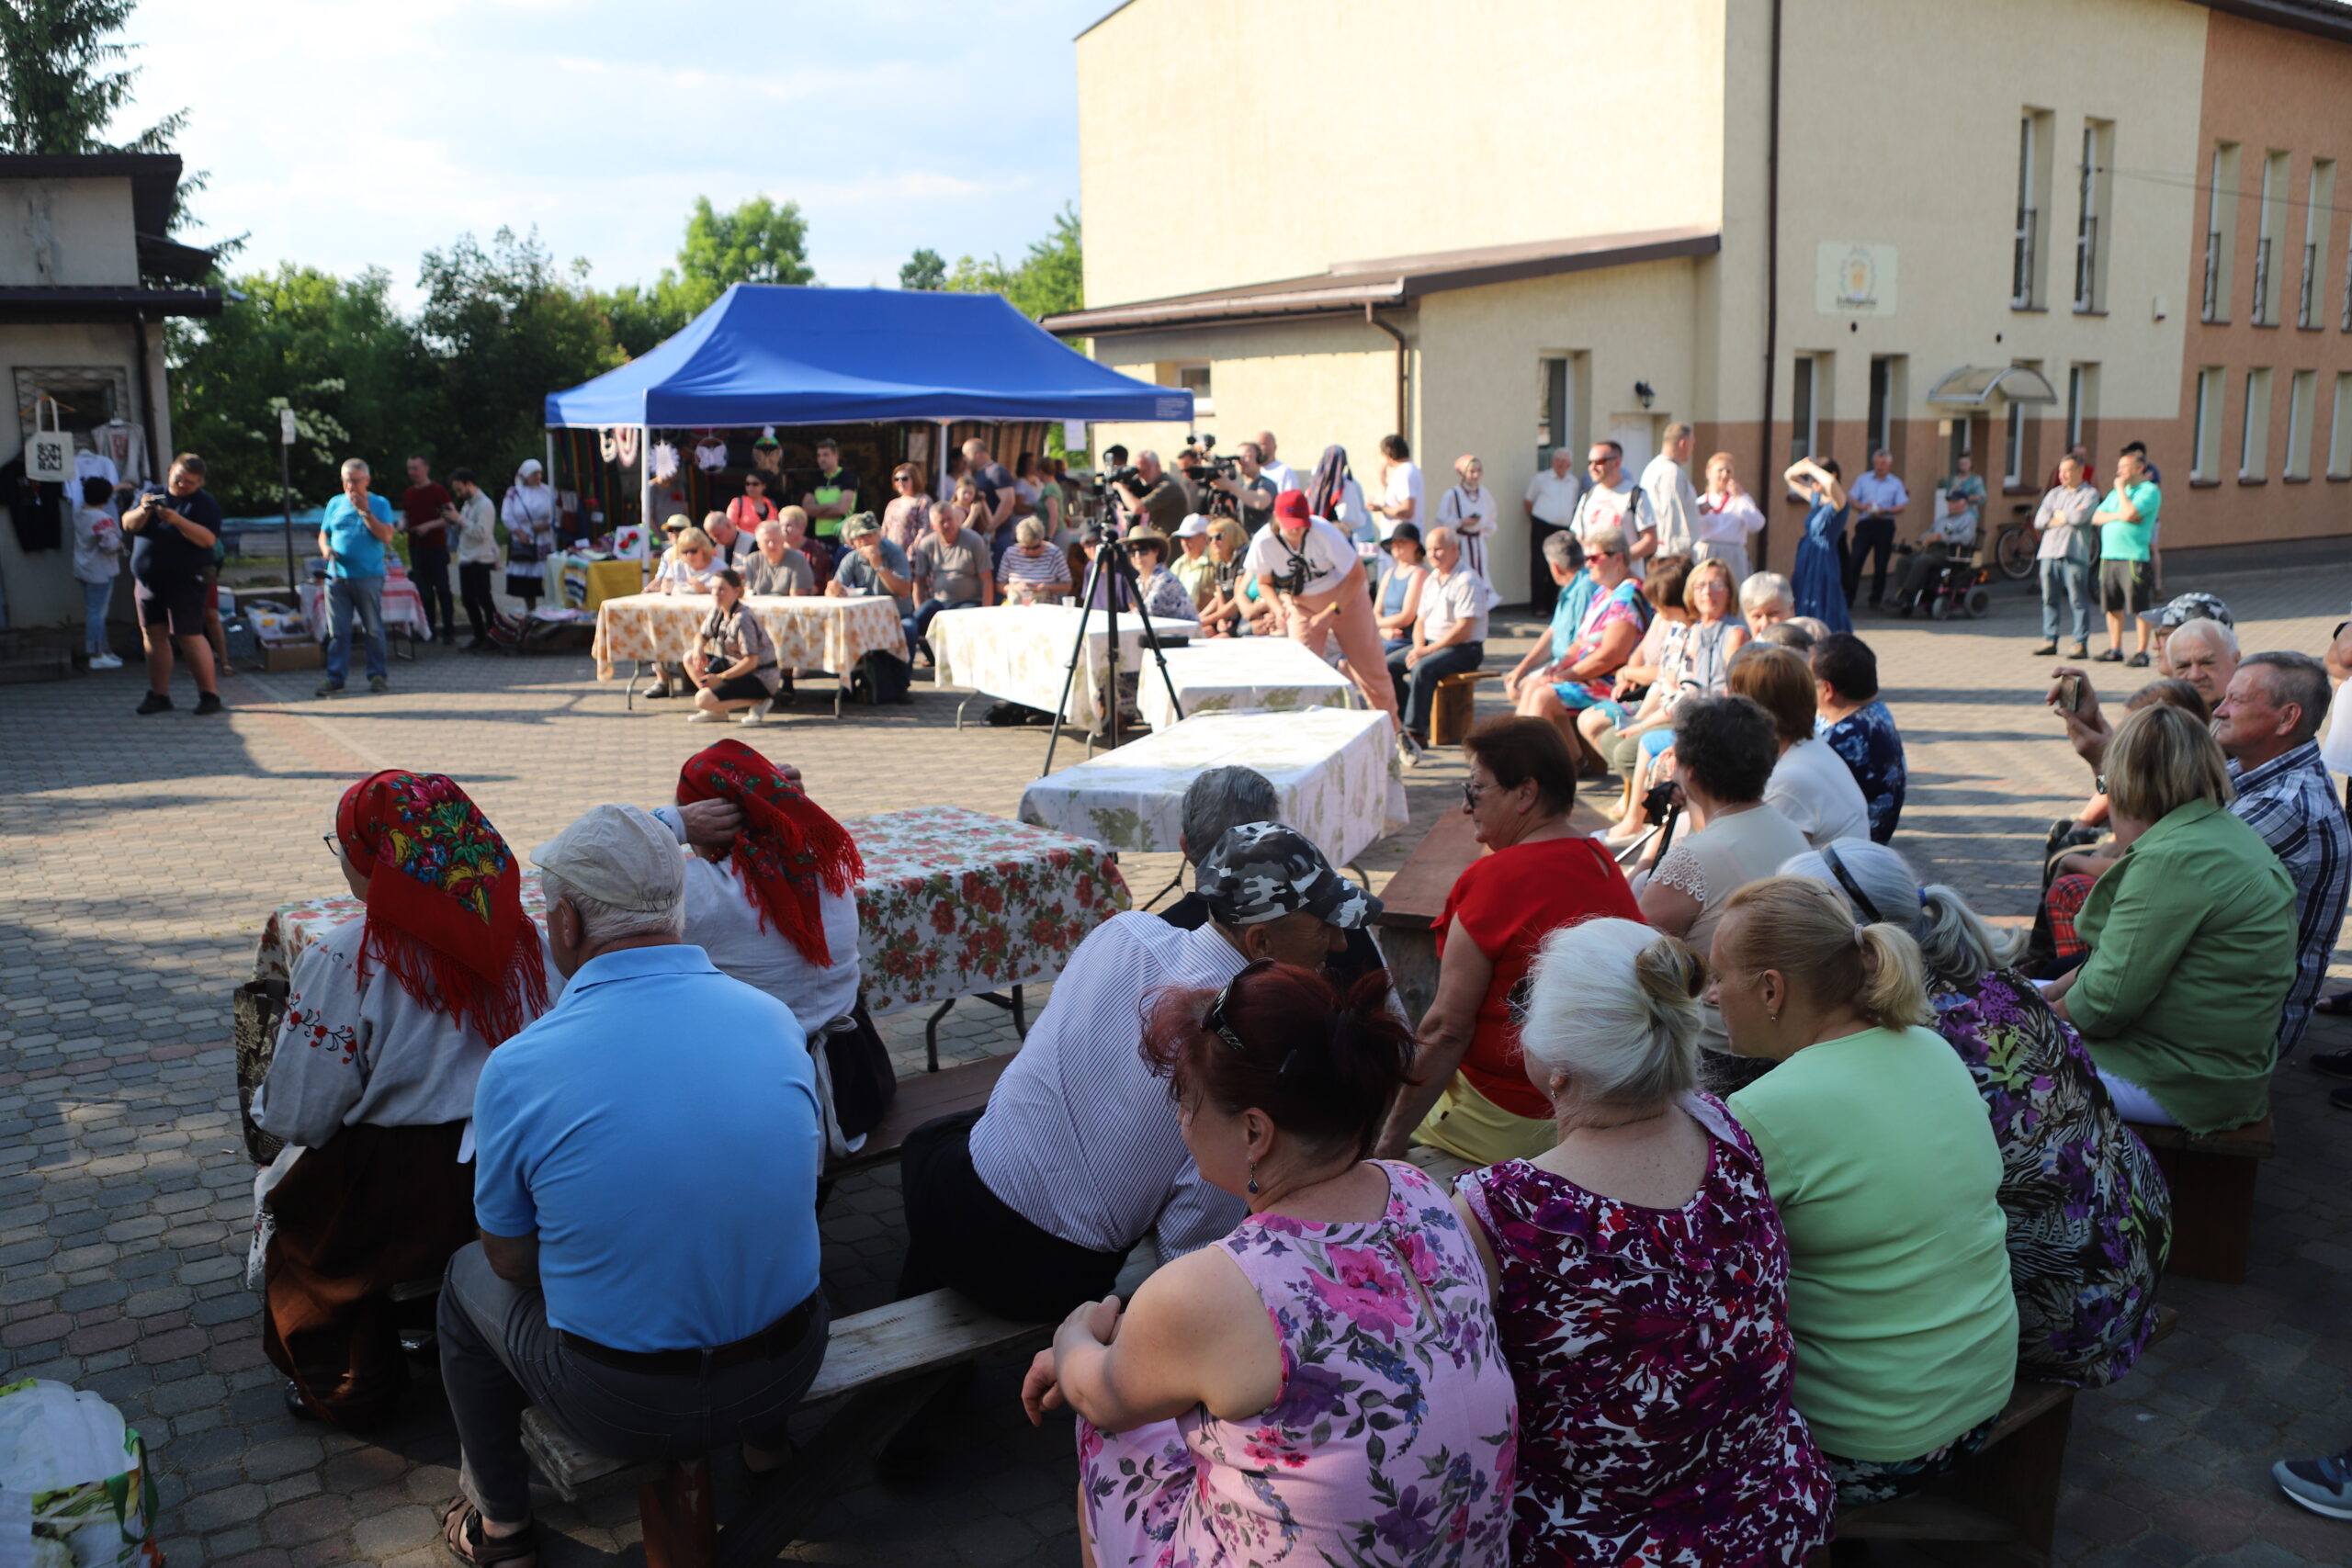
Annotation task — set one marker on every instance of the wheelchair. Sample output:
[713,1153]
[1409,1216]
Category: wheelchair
[1959,587]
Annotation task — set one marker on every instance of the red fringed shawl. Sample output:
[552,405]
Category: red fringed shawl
[790,849]
[444,902]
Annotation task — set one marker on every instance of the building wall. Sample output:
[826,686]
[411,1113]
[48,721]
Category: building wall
[60,232]
[1390,127]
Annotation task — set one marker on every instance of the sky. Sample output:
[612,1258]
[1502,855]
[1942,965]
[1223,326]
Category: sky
[345,134]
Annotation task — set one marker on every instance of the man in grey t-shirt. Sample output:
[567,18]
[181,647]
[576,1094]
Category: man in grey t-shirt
[952,570]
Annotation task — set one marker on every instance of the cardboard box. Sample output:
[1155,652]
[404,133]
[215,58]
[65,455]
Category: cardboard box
[277,655]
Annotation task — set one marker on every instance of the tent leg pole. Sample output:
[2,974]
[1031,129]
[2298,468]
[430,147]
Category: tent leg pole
[942,487]
[556,507]
[644,485]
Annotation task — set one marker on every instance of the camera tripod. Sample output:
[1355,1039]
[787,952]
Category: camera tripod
[1111,564]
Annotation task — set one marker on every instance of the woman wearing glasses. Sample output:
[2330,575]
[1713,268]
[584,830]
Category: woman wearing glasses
[1611,630]
[907,516]
[1472,1097]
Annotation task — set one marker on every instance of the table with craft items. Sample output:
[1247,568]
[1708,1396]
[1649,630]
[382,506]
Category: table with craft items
[404,612]
[1227,675]
[1334,773]
[954,904]
[811,632]
[1022,653]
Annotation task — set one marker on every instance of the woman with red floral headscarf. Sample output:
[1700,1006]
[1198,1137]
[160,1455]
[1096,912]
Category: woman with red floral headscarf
[388,1022]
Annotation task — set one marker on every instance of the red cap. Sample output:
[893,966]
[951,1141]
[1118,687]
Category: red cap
[1290,506]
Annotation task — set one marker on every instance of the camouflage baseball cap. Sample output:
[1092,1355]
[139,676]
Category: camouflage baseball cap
[1262,870]
[2186,608]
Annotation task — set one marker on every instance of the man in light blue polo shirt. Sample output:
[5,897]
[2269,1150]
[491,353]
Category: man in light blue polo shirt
[353,533]
[646,1185]
[2127,532]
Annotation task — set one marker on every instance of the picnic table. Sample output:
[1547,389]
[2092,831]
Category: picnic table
[1225,674]
[1022,652]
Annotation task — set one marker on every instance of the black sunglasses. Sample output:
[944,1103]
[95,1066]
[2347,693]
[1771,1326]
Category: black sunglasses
[1214,1020]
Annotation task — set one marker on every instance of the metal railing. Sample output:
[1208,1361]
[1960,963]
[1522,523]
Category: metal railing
[2212,311]
[2021,265]
[2261,315]
[2087,263]
[2307,291]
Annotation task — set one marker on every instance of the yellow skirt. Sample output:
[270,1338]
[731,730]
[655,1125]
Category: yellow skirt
[1468,1125]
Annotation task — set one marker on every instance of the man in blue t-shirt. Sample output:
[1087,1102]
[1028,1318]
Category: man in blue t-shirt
[173,529]
[645,1179]
[352,535]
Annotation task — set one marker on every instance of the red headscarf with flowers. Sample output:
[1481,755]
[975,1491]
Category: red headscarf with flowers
[790,849]
[444,902]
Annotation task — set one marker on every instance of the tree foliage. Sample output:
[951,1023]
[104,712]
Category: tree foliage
[1049,280]
[63,79]
[925,270]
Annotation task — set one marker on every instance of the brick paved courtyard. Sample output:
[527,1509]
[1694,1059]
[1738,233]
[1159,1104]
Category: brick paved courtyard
[141,855]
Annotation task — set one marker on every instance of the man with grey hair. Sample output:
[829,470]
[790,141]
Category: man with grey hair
[1155,500]
[647,1194]
[1220,800]
[1878,498]
[1673,505]
[353,532]
[1765,601]
[775,569]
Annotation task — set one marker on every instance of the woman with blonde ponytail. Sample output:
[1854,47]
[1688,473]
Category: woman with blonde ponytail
[1886,1175]
[1640,1281]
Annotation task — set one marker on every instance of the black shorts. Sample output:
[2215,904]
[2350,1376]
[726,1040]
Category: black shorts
[741,688]
[179,604]
[2123,586]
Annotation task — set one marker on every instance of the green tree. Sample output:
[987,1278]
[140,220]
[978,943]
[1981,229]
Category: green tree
[62,81]
[924,270]
[759,241]
[1050,279]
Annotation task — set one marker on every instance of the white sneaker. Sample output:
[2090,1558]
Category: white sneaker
[104,661]
[756,714]
[704,715]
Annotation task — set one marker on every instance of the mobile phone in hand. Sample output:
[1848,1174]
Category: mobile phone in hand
[2070,693]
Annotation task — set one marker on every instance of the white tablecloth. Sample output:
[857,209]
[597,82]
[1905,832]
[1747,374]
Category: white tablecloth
[1334,772]
[403,606]
[1223,675]
[1020,652]
[809,631]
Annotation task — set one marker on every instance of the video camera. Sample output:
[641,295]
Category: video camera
[1200,461]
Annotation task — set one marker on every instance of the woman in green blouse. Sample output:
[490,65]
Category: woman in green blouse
[2192,936]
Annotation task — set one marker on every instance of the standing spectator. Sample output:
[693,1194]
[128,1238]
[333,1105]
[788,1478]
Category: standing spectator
[1551,509]
[874,564]
[1402,490]
[1311,569]
[951,570]
[1024,488]
[1449,632]
[952,472]
[834,499]
[1672,506]
[1333,495]
[425,511]
[528,512]
[994,483]
[751,508]
[97,562]
[2064,555]
[2126,524]
[1050,502]
[173,529]
[2156,528]
[1192,566]
[1819,579]
[2081,453]
[908,517]
[1858,727]
[353,533]
[1611,502]
[1727,516]
[1470,509]
[477,556]
[1948,538]
[1155,500]
[1284,476]
[1253,489]
[1879,499]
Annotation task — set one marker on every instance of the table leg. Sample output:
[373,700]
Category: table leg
[1016,1004]
[968,703]
[930,1036]
[636,668]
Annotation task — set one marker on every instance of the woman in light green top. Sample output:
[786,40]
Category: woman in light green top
[2192,936]
[1887,1174]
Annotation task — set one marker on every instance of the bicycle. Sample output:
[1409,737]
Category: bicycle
[2013,545]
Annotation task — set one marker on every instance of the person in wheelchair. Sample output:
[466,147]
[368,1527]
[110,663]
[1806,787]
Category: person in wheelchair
[1950,540]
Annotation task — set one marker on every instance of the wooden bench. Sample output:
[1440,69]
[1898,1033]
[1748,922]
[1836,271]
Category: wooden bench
[1410,904]
[1454,708]
[885,1364]
[2003,1501]
[921,1099]
[2211,1177]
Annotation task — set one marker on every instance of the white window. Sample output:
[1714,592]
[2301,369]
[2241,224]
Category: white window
[2090,224]
[2253,426]
[2269,240]
[2303,396]
[2205,438]
[1886,397]
[2082,394]
[2339,429]
[2311,286]
[2024,255]
[2221,230]
[2013,447]
[1804,413]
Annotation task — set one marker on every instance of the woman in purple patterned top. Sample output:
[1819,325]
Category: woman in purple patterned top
[2090,1217]
[1640,1285]
[1323,1385]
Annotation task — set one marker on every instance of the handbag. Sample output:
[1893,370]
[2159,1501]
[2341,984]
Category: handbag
[49,453]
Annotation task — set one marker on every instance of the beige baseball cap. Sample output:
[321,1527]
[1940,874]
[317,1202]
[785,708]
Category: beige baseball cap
[620,854]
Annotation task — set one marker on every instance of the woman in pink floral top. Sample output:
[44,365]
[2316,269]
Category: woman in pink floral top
[1640,1285]
[1324,1384]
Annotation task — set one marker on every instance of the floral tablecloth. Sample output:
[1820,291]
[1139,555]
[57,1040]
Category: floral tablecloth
[1223,675]
[1021,652]
[809,631]
[1334,770]
[403,607]
[952,902]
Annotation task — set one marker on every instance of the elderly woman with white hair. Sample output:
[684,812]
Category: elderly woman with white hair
[1033,572]
[1765,601]
[528,512]
[353,533]
[1640,1281]
[2089,1216]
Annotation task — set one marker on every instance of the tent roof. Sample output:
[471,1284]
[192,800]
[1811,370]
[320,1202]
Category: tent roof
[768,354]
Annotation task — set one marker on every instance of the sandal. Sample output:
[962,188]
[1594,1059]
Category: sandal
[468,1541]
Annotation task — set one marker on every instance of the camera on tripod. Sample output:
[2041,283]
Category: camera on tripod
[1201,462]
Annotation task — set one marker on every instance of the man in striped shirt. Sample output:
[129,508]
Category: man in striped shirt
[1031,1205]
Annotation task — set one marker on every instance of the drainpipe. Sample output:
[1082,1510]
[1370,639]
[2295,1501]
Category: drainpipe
[1771,277]
[1371,320]
[146,395]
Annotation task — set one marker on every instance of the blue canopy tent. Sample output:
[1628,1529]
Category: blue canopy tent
[769,355]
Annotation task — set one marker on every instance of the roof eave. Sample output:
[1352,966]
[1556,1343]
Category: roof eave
[52,305]
[2320,19]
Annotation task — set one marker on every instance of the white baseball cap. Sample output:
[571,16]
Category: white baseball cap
[621,855]
[1192,527]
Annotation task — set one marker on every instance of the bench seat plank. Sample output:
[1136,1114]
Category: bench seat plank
[923,1098]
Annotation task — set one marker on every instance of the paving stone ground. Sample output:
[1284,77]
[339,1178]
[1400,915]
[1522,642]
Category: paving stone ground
[139,856]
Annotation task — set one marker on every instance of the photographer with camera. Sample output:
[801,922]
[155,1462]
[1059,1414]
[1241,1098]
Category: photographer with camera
[1150,495]
[1246,481]
[1311,570]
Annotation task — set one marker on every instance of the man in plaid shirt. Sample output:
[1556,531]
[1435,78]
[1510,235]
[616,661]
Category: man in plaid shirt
[2266,723]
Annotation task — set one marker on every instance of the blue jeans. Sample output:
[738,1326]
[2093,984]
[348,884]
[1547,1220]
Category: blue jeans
[2073,578]
[96,597]
[1417,687]
[931,611]
[365,596]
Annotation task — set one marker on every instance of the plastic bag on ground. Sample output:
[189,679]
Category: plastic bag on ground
[72,1481]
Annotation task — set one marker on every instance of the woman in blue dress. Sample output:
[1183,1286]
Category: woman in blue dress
[1818,579]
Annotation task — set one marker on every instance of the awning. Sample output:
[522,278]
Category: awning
[1980,388]
[769,355]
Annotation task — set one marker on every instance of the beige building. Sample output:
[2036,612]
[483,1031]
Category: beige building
[1593,217]
[87,281]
